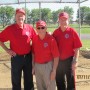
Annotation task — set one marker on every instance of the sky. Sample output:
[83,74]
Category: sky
[54,6]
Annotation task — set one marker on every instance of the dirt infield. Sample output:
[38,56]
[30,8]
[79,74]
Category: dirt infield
[82,71]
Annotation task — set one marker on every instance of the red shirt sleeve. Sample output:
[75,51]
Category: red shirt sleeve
[4,35]
[77,41]
[53,34]
[54,48]
[32,31]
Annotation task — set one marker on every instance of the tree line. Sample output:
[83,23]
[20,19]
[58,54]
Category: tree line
[7,15]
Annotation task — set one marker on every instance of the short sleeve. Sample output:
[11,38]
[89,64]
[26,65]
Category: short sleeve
[4,35]
[77,41]
[54,48]
[32,31]
[53,34]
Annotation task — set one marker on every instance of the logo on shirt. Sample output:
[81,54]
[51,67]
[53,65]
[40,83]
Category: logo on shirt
[27,33]
[45,44]
[66,35]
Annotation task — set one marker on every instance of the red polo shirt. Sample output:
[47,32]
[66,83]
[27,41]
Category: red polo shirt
[44,50]
[19,38]
[67,41]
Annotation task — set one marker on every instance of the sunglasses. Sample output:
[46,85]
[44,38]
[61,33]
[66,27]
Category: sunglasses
[40,28]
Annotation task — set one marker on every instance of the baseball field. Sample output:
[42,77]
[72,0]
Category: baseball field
[82,72]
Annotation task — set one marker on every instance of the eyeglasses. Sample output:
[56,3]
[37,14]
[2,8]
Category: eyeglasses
[40,28]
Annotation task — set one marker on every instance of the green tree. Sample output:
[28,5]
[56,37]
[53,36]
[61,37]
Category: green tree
[34,16]
[83,13]
[46,14]
[6,15]
[55,15]
[87,18]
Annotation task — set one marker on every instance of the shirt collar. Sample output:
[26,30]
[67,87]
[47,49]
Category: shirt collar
[17,26]
[61,30]
[46,36]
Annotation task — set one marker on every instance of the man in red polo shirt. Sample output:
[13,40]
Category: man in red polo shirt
[46,57]
[69,43]
[19,35]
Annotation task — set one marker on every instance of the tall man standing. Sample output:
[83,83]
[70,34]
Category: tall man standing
[19,35]
[69,43]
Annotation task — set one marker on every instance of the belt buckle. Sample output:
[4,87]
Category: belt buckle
[24,56]
[45,62]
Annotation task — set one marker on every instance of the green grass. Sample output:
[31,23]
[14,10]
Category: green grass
[85,29]
[86,44]
[1,29]
[51,29]
[1,50]
[82,30]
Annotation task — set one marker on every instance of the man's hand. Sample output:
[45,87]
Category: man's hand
[74,63]
[11,53]
[53,75]
[33,70]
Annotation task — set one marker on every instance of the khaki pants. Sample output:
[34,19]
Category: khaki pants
[42,73]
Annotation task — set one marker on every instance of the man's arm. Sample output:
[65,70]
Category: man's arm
[3,46]
[55,64]
[76,55]
[33,68]
[10,52]
[75,59]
